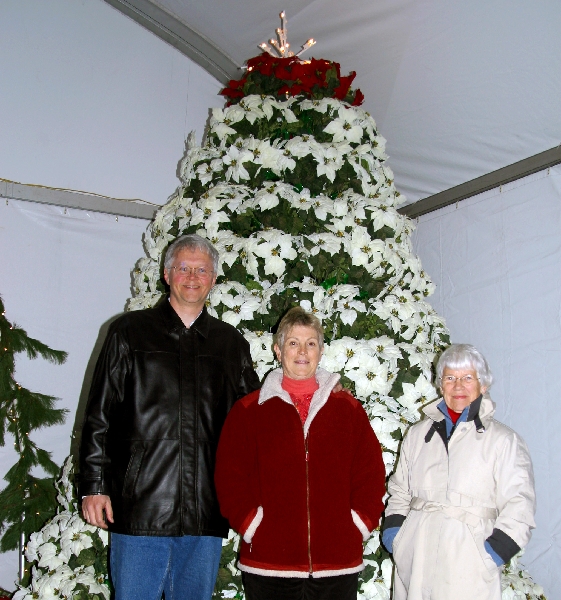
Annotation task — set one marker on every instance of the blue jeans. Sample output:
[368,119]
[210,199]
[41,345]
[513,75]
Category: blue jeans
[144,567]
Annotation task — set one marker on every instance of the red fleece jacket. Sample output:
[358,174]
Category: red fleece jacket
[292,497]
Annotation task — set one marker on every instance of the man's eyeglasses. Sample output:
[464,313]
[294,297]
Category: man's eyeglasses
[199,272]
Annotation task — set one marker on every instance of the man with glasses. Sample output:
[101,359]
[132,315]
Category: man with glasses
[163,385]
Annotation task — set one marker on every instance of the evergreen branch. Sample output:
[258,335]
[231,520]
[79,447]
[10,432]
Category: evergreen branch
[36,411]
[20,342]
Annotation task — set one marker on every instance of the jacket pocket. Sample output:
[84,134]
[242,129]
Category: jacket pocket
[252,527]
[133,471]
[478,536]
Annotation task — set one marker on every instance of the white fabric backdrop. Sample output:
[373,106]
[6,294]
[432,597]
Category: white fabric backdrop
[63,274]
[92,101]
[496,262]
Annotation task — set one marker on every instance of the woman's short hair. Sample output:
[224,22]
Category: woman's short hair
[191,241]
[464,356]
[294,317]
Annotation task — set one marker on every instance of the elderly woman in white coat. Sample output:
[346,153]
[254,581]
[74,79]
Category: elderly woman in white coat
[462,498]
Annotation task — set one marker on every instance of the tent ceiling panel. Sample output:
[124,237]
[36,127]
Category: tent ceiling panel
[459,89]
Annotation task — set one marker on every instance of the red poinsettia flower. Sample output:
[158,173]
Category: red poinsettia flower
[307,76]
[283,70]
[234,89]
[344,85]
[264,64]
[359,98]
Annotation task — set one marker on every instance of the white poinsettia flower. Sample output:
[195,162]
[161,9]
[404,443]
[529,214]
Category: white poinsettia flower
[379,147]
[370,376]
[418,393]
[360,171]
[249,258]
[389,459]
[287,113]
[35,541]
[163,221]
[302,200]
[373,589]
[266,198]
[51,557]
[103,536]
[252,107]
[74,539]
[233,114]
[340,207]
[328,242]
[222,130]
[324,105]
[387,570]
[367,123]
[234,158]
[262,151]
[386,215]
[210,202]
[261,345]
[228,288]
[419,355]
[301,145]
[348,310]
[329,161]
[336,354]
[207,170]
[283,162]
[241,308]
[385,348]
[363,153]
[393,310]
[373,543]
[413,326]
[228,245]
[345,128]
[323,207]
[383,429]
[360,246]
[268,104]
[275,248]
[212,223]
[375,408]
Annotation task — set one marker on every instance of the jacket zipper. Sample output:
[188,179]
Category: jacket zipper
[308,509]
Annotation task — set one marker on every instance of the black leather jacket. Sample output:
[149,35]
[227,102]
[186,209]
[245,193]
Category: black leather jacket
[159,397]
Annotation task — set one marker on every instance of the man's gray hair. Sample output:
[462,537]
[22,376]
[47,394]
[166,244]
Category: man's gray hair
[464,356]
[191,241]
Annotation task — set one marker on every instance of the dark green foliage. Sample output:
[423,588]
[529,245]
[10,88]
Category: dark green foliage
[27,502]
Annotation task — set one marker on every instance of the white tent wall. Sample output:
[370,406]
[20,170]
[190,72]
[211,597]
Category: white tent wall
[64,274]
[90,101]
[496,262]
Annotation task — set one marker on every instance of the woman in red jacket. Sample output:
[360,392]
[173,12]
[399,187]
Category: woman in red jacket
[299,474]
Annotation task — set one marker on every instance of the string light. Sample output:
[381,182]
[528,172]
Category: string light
[280,47]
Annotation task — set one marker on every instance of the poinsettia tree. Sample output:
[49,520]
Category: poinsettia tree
[292,188]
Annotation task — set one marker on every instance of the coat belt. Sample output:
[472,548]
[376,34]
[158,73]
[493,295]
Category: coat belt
[471,515]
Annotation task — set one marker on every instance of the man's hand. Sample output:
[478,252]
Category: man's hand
[93,509]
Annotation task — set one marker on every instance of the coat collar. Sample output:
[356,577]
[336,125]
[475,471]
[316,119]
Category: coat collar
[173,323]
[483,406]
[272,388]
